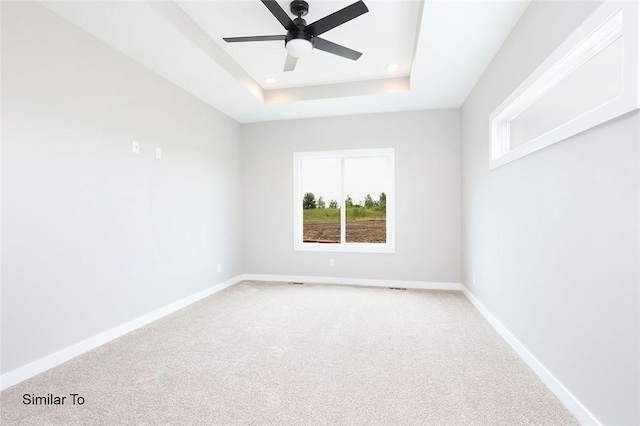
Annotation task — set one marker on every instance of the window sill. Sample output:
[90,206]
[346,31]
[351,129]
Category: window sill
[345,248]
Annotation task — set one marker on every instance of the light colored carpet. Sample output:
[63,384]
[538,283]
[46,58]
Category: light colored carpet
[275,353]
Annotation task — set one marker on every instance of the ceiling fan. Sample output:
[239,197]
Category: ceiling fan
[302,38]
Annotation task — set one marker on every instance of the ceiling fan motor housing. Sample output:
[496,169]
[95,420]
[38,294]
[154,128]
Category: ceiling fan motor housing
[291,35]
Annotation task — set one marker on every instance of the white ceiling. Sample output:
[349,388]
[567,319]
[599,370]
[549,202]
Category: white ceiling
[442,48]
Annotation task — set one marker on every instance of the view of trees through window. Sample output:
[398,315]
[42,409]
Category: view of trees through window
[365,181]
[321,222]
[365,203]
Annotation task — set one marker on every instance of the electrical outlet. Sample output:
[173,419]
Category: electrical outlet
[158,153]
[332,262]
[219,267]
[135,147]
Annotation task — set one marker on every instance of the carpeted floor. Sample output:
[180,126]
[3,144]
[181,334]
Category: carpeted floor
[274,353]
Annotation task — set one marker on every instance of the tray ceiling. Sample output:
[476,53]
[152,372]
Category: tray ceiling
[441,47]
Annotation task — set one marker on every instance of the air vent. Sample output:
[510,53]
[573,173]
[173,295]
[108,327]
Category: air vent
[397,288]
[297,283]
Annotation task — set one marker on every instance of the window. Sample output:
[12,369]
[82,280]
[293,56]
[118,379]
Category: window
[344,200]
[590,79]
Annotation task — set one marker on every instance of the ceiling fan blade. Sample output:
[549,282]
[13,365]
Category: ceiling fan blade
[336,49]
[280,14]
[290,63]
[254,38]
[337,18]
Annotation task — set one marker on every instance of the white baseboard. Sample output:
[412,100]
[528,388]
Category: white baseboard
[420,285]
[23,373]
[580,412]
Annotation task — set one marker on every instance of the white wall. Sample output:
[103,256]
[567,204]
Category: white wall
[427,156]
[94,235]
[553,237]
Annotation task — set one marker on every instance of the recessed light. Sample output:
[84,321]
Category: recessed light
[393,67]
[271,80]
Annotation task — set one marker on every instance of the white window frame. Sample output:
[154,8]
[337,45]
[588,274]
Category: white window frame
[599,30]
[388,246]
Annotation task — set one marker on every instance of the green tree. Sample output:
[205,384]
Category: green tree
[333,204]
[348,202]
[382,201]
[309,201]
[368,202]
[321,204]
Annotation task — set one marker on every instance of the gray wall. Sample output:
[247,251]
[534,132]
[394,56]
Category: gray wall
[93,235]
[427,156]
[553,237]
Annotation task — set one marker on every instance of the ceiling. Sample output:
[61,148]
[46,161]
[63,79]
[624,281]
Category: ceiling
[441,47]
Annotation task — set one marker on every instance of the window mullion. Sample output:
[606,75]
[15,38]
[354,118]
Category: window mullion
[343,210]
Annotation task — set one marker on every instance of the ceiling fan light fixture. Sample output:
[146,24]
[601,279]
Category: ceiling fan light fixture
[299,47]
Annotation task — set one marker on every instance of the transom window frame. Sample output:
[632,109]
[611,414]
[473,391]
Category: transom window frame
[343,246]
[612,20]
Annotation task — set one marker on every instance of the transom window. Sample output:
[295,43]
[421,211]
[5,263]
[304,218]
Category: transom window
[344,200]
[591,78]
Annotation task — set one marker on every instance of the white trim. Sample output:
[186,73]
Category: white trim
[580,412]
[43,364]
[343,211]
[609,22]
[343,247]
[1,210]
[349,247]
[417,285]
